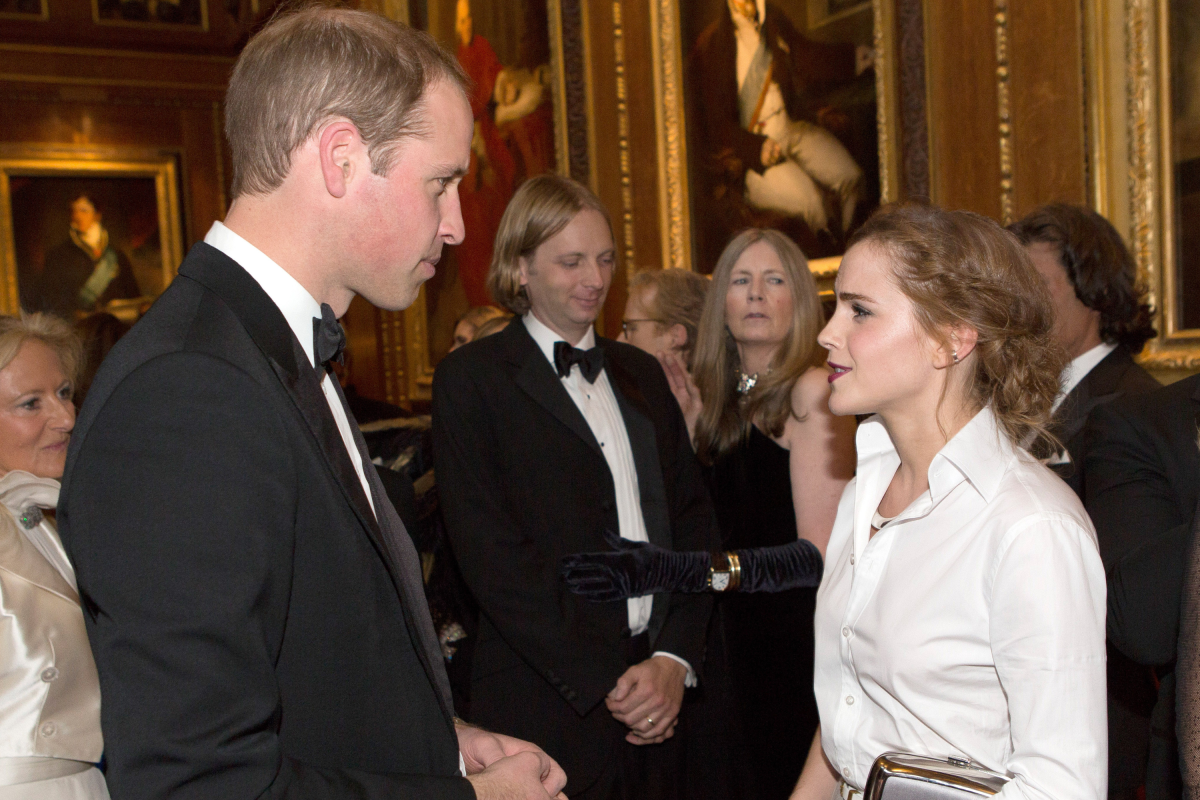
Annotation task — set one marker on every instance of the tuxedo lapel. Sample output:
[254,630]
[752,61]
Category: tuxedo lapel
[643,441]
[273,336]
[1099,386]
[306,394]
[399,546]
[536,378]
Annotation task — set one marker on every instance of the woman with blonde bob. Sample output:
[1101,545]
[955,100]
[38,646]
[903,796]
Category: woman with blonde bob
[777,464]
[50,704]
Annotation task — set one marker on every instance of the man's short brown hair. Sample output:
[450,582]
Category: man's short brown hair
[311,65]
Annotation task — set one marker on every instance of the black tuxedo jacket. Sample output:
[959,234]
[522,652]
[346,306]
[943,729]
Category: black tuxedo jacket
[1143,480]
[1115,376]
[524,483]
[256,631]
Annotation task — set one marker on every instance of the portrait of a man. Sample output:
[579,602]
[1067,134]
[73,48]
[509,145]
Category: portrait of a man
[85,270]
[780,124]
[81,244]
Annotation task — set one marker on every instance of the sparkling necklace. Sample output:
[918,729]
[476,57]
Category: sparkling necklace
[747,382]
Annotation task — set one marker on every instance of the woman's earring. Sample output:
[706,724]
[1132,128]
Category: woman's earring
[954,355]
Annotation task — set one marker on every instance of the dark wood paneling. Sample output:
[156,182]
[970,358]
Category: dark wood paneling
[964,151]
[1046,58]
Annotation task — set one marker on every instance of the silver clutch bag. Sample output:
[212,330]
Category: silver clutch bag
[900,776]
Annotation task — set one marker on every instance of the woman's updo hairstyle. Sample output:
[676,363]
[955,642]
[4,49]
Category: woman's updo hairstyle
[960,268]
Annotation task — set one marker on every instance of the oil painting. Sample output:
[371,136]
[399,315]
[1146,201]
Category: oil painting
[87,235]
[780,102]
[505,49]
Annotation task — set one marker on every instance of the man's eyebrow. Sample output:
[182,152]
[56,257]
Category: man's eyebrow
[449,170]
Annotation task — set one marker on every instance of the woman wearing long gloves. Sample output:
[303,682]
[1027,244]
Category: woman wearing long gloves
[961,613]
[776,463]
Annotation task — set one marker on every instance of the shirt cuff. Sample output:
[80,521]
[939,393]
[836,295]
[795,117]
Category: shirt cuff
[690,680]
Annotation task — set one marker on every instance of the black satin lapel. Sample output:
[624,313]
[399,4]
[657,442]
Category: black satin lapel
[537,379]
[406,566]
[643,441]
[310,401]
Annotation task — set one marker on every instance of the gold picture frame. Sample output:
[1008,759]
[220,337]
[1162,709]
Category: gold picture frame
[674,197]
[42,14]
[404,336]
[41,172]
[1131,158]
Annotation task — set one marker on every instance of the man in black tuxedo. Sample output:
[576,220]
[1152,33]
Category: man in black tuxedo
[1143,483]
[1101,315]
[1103,320]
[546,437]
[253,601]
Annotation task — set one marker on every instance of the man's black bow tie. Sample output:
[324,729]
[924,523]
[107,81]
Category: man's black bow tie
[329,340]
[590,361]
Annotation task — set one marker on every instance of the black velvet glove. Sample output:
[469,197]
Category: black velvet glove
[639,568]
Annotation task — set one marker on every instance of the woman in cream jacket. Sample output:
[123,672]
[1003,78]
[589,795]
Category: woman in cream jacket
[50,736]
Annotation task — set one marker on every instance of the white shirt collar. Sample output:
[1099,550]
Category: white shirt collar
[546,338]
[744,25]
[1079,367]
[980,454]
[295,303]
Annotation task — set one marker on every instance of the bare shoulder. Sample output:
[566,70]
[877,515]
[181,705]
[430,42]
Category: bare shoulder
[810,395]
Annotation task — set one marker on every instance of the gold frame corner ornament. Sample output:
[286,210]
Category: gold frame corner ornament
[673,190]
[31,160]
[1131,107]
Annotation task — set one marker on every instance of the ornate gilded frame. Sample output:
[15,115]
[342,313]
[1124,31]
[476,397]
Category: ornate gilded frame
[674,200]
[404,335]
[41,161]
[1130,156]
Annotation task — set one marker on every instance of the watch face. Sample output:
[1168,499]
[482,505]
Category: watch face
[720,581]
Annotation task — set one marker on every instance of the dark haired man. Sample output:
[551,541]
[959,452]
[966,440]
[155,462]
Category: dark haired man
[253,600]
[1101,318]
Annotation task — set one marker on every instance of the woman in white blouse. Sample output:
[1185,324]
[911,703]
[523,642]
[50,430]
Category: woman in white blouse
[961,612]
[50,734]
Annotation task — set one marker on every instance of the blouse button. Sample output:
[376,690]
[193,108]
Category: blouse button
[49,674]
[49,729]
[846,772]
[852,559]
[850,700]
[846,631]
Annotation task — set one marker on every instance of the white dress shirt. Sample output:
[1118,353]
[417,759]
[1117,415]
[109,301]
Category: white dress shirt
[598,405]
[970,626]
[1079,367]
[299,309]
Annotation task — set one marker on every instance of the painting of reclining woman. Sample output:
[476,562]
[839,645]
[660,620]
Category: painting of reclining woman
[781,120]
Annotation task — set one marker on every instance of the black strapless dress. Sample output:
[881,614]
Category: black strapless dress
[769,636]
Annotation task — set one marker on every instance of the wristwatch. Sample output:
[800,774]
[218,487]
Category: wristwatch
[725,574]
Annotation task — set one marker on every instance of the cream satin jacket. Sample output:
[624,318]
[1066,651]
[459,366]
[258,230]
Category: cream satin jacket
[49,690]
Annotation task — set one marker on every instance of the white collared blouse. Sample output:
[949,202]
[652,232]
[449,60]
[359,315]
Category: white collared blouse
[970,626]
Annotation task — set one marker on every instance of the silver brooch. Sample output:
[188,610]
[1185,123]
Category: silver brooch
[747,382]
[31,518]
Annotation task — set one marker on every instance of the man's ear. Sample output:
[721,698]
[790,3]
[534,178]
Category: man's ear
[678,335]
[342,152]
